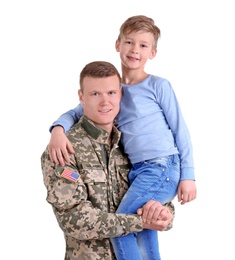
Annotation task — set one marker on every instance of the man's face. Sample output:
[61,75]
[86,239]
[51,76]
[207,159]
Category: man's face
[101,100]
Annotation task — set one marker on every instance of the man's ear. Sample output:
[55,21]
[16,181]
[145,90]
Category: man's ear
[117,46]
[80,95]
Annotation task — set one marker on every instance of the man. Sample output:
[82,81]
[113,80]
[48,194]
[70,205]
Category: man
[86,192]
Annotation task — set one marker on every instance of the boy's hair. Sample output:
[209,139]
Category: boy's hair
[139,23]
[98,69]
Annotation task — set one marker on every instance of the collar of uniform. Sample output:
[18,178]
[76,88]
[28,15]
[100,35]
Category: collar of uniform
[97,133]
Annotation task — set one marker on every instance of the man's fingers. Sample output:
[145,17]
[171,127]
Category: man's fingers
[140,211]
[162,224]
[164,214]
[145,210]
[151,210]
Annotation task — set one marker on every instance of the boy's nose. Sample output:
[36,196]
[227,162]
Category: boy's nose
[134,48]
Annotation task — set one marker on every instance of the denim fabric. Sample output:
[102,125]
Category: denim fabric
[155,179]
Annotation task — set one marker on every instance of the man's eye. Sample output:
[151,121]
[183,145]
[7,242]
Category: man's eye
[95,94]
[112,92]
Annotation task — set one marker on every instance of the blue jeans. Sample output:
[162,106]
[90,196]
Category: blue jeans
[156,179]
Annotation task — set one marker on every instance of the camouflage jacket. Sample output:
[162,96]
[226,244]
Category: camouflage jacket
[85,193]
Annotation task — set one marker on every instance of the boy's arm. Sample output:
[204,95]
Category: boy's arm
[59,145]
[69,118]
[187,189]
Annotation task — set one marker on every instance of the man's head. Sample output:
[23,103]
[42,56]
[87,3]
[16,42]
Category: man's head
[100,93]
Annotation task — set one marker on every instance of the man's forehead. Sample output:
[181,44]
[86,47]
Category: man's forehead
[102,84]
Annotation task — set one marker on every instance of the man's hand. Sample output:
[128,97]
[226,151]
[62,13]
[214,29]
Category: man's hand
[155,216]
[59,146]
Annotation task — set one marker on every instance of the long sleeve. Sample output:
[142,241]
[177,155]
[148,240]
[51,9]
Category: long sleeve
[76,214]
[180,132]
[69,118]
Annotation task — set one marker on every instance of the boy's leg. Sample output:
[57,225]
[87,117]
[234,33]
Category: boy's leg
[126,247]
[148,244]
[163,191]
[148,180]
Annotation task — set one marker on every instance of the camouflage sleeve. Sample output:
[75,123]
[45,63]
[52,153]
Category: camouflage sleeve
[75,213]
[171,207]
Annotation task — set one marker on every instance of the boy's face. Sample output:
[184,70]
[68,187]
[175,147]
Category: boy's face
[101,100]
[135,49]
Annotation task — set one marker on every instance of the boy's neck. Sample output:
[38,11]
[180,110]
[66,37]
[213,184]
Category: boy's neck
[133,77]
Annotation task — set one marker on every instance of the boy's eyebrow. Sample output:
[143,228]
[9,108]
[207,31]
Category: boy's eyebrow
[128,38]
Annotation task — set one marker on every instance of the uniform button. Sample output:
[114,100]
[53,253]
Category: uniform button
[167,179]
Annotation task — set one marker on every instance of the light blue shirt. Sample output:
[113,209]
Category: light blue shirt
[151,123]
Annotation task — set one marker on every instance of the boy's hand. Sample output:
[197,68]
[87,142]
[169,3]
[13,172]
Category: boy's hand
[59,146]
[186,191]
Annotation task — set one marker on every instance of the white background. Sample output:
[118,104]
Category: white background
[44,45]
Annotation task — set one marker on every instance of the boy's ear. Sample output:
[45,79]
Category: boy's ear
[117,46]
[152,54]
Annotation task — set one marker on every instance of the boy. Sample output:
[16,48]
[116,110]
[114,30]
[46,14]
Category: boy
[154,135]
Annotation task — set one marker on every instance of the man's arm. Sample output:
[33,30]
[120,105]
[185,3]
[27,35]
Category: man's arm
[77,215]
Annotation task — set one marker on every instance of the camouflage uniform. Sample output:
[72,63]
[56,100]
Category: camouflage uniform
[85,206]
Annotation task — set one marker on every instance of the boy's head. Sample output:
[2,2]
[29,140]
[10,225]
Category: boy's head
[136,44]
[140,23]
[100,93]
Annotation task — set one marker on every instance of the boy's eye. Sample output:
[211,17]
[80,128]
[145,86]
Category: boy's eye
[143,45]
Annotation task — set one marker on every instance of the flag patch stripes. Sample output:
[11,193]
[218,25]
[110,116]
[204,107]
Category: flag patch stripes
[70,175]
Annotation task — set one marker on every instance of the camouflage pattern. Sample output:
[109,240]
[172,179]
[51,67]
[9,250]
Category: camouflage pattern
[85,209]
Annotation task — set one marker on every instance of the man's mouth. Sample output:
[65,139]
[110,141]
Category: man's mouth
[105,110]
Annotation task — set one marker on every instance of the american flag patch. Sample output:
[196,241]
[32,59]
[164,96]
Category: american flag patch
[70,175]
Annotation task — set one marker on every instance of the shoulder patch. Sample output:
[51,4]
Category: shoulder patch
[70,175]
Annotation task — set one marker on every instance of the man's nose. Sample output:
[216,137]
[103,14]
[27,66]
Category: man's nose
[104,98]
